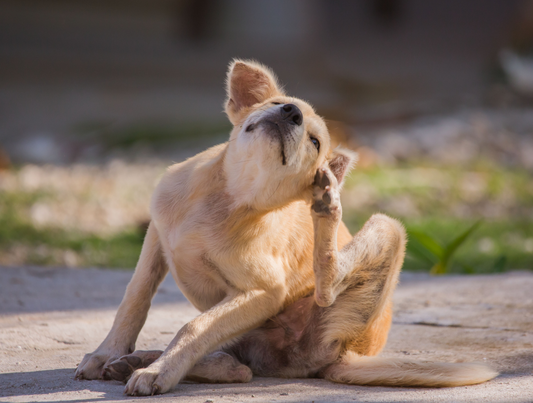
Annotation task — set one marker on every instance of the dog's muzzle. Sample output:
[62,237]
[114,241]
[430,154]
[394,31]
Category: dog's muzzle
[280,125]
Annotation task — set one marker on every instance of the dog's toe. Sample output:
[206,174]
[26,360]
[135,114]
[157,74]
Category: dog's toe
[321,178]
[146,382]
[91,366]
[324,180]
[119,370]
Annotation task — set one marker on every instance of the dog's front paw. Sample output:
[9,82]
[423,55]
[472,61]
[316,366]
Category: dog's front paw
[326,196]
[147,382]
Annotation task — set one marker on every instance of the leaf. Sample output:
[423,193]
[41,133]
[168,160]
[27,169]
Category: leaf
[450,249]
[420,254]
[467,268]
[428,242]
[418,251]
[500,263]
[438,269]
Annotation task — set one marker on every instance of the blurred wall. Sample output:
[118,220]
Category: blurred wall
[69,62]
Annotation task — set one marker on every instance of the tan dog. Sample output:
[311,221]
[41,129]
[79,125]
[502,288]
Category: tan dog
[251,230]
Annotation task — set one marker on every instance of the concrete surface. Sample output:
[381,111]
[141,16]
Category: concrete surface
[49,318]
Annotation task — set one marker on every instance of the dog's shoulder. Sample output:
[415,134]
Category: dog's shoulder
[187,183]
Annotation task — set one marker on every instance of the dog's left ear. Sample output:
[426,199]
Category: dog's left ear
[248,83]
[341,161]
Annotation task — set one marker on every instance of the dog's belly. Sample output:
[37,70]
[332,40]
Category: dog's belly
[289,344]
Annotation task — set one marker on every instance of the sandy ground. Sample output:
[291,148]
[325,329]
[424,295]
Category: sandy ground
[49,318]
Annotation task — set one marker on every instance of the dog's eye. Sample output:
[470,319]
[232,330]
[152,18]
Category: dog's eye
[315,142]
[249,128]
[276,103]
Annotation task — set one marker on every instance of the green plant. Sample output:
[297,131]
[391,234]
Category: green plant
[427,248]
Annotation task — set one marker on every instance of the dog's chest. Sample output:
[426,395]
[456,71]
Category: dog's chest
[207,266]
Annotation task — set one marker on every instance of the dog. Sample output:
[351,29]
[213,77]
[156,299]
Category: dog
[252,232]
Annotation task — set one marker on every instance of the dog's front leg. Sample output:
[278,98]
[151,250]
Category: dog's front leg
[133,310]
[233,316]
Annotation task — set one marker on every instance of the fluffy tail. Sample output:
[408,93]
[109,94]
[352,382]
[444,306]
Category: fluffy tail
[377,371]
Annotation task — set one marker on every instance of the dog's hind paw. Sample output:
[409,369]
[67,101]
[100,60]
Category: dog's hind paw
[326,196]
[92,365]
[121,369]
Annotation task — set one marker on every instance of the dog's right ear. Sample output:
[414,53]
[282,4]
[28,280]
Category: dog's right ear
[248,83]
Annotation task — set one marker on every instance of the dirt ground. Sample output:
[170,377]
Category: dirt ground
[49,318]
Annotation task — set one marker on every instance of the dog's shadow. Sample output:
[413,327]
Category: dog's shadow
[59,385]
[59,382]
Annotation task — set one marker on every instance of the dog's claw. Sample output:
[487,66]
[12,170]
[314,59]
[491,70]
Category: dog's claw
[156,389]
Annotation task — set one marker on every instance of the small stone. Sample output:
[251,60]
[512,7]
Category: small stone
[284,394]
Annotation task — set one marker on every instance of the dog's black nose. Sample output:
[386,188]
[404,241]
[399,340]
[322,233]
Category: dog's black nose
[292,113]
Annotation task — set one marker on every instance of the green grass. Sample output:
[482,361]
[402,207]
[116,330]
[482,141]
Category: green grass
[440,201]
[444,202]
[56,246]
[495,246]
[439,255]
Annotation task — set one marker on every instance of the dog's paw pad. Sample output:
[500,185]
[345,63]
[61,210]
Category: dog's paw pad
[326,198]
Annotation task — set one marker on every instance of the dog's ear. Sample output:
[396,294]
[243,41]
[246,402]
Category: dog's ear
[248,83]
[341,161]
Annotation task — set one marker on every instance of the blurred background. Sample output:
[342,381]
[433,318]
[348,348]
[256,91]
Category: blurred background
[97,97]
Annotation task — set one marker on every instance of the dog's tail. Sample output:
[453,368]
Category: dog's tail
[377,371]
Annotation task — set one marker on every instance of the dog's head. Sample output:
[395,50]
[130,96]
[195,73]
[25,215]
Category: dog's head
[277,143]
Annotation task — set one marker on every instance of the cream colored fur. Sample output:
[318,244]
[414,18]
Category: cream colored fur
[377,371]
[251,228]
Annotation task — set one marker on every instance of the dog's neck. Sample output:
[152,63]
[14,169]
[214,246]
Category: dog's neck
[253,187]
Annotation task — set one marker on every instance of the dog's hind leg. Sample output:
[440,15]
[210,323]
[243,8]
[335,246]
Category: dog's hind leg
[217,367]
[360,318]
[133,310]
[354,288]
